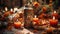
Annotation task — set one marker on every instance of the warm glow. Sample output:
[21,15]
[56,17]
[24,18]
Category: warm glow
[35,16]
[54,11]
[35,19]
[11,9]
[17,23]
[6,9]
[54,17]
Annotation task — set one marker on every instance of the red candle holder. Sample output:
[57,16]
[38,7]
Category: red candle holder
[17,24]
[53,22]
[36,20]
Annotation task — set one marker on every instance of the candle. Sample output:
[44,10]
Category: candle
[35,20]
[53,22]
[11,11]
[17,24]
[55,14]
[6,9]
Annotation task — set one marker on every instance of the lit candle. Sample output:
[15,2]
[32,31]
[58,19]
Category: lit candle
[35,20]
[53,22]
[55,14]
[54,11]
[17,24]
[11,11]
[6,9]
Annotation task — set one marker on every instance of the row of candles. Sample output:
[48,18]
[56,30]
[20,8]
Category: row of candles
[15,9]
[53,21]
[12,17]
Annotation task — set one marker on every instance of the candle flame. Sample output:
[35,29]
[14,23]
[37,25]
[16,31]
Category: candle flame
[17,22]
[6,9]
[53,17]
[35,16]
[11,9]
[54,11]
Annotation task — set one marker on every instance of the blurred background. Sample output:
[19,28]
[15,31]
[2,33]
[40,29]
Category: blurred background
[20,3]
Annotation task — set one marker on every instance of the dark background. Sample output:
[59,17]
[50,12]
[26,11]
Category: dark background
[19,3]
